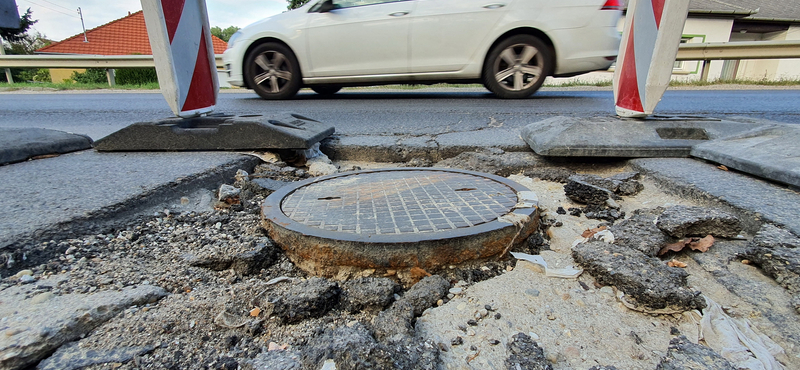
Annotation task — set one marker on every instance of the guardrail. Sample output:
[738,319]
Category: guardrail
[81,61]
[708,51]
[705,52]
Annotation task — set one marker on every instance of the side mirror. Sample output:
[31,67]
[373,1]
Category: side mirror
[326,6]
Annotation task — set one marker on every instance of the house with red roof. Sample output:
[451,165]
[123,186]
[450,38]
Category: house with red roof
[124,36]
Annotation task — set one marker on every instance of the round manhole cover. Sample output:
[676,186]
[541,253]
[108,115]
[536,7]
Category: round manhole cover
[398,218]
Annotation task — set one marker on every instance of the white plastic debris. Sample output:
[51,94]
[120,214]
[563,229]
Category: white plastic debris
[527,199]
[278,280]
[604,235]
[737,340]
[514,219]
[568,273]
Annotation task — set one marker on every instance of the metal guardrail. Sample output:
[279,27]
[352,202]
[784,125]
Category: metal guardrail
[739,50]
[81,61]
[708,51]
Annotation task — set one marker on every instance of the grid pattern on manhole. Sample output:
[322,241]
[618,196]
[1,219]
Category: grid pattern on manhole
[399,202]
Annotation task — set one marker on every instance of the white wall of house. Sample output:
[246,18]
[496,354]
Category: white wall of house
[698,30]
[789,68]
[695,30]
[768,69]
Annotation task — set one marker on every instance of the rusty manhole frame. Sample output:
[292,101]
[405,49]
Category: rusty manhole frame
[323,252]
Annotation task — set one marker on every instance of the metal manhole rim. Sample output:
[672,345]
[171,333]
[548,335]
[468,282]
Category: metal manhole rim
[271,211]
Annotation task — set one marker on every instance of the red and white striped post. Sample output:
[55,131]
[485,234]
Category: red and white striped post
[180,38]
[650,40]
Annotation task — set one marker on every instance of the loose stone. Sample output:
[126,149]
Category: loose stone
[532,292]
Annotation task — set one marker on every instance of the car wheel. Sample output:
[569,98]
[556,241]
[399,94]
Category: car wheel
[516,67]
[271,69]
[326,90]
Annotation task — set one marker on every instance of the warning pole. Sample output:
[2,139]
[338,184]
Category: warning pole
[650,41]
[180,37]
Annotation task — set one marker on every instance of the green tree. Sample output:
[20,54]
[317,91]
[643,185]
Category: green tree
[294,4]
[225,34]
[13,35]
[21,41]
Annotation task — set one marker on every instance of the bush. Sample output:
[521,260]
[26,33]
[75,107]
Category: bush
[26,75]
[91,76]
[136,76]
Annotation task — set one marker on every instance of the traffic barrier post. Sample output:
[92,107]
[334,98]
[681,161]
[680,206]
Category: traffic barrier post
[650,41]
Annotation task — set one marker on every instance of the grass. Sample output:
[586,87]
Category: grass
[780,82]
[72,86]
[579,83]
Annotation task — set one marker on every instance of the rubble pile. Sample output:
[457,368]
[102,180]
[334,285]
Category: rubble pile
[209,290]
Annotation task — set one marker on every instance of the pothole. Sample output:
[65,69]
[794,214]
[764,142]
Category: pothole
[404,221]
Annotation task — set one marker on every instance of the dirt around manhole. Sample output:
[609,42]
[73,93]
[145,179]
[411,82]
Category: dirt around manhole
[235,300]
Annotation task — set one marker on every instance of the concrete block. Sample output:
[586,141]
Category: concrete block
[629,138]
[19,144]
[769,152]
[219,132]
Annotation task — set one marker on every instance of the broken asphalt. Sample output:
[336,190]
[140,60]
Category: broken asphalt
[84,192]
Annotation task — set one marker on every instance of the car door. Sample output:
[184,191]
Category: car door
[445,34]
[360,37]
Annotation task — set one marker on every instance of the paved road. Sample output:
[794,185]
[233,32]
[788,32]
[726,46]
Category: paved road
[385,112]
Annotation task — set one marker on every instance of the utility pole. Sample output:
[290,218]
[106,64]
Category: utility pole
[85,39]
[8,70]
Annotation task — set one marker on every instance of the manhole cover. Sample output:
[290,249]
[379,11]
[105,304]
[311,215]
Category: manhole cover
[398,219]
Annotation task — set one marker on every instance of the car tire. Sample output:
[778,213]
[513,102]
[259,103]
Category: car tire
[517,66]
[326,90]
[272,71]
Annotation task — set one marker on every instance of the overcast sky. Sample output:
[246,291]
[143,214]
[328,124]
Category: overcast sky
[58,19]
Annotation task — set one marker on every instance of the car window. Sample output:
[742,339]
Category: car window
[339,4]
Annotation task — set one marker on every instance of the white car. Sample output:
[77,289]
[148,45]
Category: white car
[508,45]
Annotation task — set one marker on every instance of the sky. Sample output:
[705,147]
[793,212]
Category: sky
[58,19]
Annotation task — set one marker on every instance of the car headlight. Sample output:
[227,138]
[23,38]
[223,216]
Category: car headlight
[233,38]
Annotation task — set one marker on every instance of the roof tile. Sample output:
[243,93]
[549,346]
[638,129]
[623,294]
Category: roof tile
[124,36]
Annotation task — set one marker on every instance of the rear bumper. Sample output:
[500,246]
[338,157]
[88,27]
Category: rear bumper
[585,49]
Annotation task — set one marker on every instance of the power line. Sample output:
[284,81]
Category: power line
[55,10]
[60,6]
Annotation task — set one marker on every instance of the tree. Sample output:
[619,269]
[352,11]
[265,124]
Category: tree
[16,34]
[19,39]
[294,4]
[225,34]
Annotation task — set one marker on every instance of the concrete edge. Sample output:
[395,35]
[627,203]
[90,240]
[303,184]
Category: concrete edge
[751,219]
[122,213]
[396,149]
